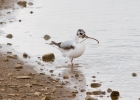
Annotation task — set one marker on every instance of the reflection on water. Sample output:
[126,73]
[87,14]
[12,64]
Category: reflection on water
[114,23]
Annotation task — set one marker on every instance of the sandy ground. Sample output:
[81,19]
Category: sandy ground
[21,82]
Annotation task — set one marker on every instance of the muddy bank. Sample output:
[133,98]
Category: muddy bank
[22,82]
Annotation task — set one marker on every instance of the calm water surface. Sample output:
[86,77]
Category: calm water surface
[115,23]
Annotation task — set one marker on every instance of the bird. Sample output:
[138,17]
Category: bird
[73,48]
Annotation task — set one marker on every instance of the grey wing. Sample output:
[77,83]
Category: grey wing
[67,45]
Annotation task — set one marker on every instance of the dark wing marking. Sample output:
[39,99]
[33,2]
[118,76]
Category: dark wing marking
[64,45]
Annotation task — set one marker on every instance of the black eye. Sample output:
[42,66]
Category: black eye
[81,33]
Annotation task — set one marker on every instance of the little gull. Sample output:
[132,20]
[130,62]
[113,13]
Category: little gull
[73,48]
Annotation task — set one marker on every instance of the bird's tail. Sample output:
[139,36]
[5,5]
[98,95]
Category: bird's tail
[54,43]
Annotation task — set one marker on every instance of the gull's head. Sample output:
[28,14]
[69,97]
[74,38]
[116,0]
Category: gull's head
[81,33]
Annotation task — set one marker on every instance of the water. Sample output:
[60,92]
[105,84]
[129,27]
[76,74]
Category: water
[114,23]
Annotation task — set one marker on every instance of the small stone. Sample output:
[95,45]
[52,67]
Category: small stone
[59,86]
[115,95]
[48,57]
[24,77]
[22,3]
[42,73]
[47,37]
[9,36]
[75,91]
[97,92]
[93,76]
[30,3]
[95,85]
[31,12]
[82,90]
[25,55]
[88,97]
[65,77]
[12,56]
[18,66]
[109,90]
[19,20]
[134,74]
[28,85]
[51,71]
[9,44]
[37,93]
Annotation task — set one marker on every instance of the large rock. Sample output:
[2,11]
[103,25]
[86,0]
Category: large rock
[22,3]
[48,57]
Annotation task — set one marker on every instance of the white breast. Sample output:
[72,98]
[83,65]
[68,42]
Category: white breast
[77,51]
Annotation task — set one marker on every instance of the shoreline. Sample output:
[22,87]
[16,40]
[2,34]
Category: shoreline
[25,82]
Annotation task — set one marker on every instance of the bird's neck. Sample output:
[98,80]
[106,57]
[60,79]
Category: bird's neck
[78,40]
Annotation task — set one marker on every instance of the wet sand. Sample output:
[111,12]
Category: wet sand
[23,83]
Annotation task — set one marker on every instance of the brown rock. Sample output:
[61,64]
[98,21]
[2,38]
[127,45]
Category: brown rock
[9,44]
[9,36]
[95,85]
[109,90]
[48,57]
[134,74]
[59,86]
[18,66]
[51,71]
[22,3]
[47,37]
[65,77]
[31,12]
[37,93]
[25,55]
[97,92]
[24,77]
[12,56]
[28,85]
[30,3]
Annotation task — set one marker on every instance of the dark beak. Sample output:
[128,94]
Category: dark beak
[92,38]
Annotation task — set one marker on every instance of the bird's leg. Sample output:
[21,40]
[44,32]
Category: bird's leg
[72,61]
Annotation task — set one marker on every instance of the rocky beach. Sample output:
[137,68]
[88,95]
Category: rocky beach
[18,80]
[30,69]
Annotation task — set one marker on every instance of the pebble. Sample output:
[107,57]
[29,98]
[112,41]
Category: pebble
[18,66]
[9,36]
[59,86]
[65,77]
[24,77]
[95,85]
[48,57]
[25,55]
[22,3]
[109,90]
[134,74]
[37,93]
[47,37]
